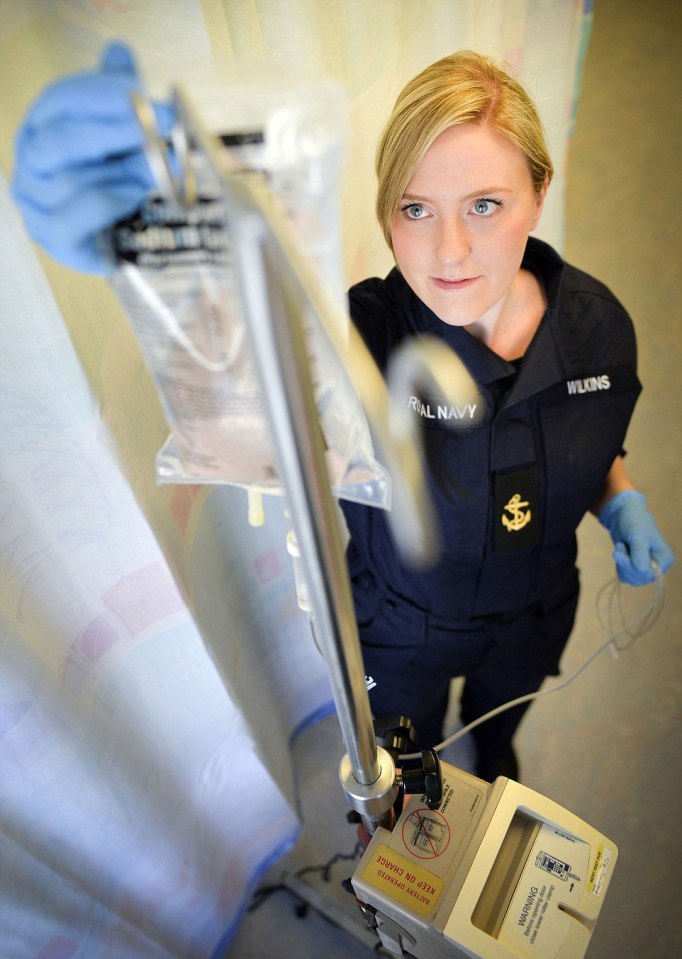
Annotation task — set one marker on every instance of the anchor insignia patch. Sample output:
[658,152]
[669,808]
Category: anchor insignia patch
[518,518]
[518,511]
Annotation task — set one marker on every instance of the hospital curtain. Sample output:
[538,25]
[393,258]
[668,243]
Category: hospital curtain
[154,665]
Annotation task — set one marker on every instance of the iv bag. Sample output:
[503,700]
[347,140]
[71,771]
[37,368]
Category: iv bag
[174,277]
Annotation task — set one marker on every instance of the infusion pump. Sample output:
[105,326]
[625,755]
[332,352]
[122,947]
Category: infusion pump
[497,872]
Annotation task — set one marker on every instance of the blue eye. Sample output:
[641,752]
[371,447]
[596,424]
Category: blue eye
[485,206]
[414,211]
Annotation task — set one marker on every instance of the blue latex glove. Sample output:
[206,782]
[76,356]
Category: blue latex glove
[79,161]
[636,537]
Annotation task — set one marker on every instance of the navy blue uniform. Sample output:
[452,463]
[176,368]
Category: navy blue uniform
[510,491]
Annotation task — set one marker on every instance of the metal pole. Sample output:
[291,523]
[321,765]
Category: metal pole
[274,307]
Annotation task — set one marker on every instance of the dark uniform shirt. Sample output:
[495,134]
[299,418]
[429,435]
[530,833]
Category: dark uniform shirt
[511,489]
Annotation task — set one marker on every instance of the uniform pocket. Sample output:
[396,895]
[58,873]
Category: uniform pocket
[383,621]
[366,598]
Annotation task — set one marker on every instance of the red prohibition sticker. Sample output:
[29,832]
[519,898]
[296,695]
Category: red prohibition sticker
[426,833]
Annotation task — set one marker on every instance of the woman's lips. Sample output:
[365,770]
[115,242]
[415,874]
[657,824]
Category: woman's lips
[445,284]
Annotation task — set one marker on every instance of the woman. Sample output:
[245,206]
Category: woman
[463,173]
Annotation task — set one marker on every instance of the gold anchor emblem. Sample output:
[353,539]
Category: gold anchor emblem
[519,519]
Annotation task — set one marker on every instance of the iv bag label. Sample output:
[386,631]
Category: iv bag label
[161,234]
[403,880]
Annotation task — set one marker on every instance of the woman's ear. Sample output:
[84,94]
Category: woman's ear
[539,203]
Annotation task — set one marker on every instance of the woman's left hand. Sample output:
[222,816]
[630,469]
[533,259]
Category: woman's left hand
[638,541]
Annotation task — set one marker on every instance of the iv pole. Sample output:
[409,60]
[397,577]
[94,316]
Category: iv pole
[272,305]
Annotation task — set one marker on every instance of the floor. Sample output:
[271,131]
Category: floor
[608,747]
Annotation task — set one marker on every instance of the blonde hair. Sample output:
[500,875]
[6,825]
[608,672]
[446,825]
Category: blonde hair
[465,87]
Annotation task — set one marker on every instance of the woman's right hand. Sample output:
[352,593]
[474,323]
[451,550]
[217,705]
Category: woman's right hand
[79,160]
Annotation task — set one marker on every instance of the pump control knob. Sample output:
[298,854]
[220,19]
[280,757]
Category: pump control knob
[425,778]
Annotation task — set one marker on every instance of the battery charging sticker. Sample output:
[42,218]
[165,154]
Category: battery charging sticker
[403,880]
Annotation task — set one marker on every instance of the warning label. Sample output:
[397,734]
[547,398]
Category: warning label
[404,881]
[426,833]
[546,900]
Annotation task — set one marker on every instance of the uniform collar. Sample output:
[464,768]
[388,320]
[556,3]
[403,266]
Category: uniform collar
[544,363]
[486,366]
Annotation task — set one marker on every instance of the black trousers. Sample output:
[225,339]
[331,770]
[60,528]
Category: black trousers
[412,657]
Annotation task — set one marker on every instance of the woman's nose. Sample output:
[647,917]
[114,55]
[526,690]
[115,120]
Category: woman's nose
[453,241]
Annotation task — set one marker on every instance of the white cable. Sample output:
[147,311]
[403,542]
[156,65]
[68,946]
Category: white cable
[614,609]
[641,624]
